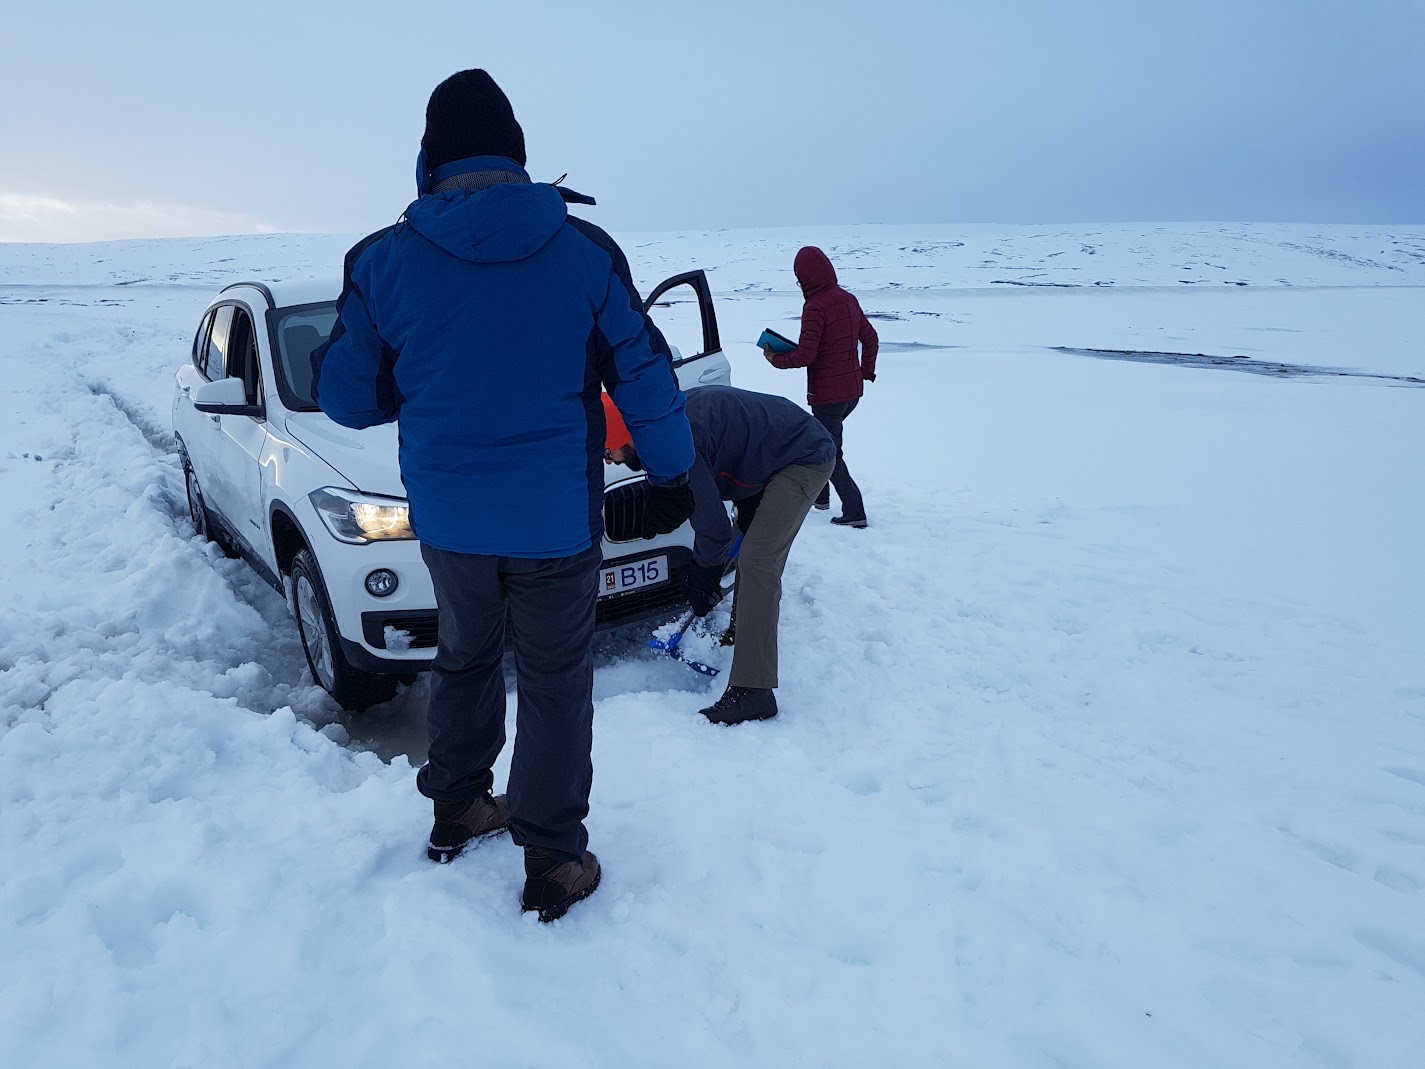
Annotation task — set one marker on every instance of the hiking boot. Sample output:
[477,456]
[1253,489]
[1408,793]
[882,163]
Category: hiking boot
[850,521]
[742,703]
[821,506]
[457,823]
[553,882]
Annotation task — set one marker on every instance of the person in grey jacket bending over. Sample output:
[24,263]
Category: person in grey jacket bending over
[770,458]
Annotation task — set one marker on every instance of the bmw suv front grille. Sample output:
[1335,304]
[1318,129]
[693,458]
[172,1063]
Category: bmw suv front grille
[624,507]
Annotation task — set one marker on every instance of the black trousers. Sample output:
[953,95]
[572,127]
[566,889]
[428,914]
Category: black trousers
[832,417]
[550,607]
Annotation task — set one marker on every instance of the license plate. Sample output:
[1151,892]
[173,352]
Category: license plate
[632,576]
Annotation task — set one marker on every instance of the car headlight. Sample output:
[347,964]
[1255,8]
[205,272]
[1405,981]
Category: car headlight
[360,518]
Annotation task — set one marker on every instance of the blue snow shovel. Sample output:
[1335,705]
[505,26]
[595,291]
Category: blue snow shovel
[671,644]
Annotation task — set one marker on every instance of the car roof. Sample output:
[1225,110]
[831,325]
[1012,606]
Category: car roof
[290,292]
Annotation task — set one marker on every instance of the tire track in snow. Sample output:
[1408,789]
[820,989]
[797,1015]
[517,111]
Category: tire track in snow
[128,591]
[161,439]
[394,728]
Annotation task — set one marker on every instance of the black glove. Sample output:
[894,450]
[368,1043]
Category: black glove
[747,511]
[868,376]
[668,507]
[702,586]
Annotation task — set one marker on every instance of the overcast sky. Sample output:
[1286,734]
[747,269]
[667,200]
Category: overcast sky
[158,118]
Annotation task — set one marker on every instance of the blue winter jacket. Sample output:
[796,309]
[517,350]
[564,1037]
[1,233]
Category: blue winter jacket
[487,321]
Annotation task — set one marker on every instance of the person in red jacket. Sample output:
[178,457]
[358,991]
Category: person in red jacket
[832,324]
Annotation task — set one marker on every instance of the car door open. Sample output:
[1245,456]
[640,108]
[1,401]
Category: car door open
[682,308]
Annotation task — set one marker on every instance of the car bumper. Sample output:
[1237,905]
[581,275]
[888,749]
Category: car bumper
[421,631]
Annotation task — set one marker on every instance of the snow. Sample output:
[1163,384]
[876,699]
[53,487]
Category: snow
[1101,747]
[397,640]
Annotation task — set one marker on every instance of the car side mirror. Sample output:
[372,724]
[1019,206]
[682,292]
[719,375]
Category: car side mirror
[224,397]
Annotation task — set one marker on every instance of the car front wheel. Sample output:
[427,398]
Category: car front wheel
[353,689]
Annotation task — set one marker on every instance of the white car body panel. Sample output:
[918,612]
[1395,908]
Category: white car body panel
[238,444]
[367,459]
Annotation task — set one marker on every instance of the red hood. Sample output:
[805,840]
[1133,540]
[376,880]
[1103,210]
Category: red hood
[814,271]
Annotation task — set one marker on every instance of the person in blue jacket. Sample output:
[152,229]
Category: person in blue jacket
[488,321]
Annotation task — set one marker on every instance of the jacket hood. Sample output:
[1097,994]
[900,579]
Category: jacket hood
[814,271]
[496,225]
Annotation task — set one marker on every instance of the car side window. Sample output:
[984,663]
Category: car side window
[200,344]
[242,362]
[214,361]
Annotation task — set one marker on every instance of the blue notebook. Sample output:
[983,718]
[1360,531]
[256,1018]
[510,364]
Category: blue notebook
[778,343]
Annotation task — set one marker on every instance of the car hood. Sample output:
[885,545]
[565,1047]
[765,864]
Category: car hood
[369,460]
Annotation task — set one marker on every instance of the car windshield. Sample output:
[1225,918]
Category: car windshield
[299,331]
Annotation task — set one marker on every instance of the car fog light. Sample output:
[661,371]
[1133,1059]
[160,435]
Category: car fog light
[382,583]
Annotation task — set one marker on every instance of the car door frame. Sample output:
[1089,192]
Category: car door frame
[197,432]
[698,280]
[233,485]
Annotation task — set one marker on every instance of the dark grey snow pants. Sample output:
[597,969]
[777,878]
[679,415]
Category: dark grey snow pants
[550,604]
[833,418]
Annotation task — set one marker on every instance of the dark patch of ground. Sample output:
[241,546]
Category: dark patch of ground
[912,346]
[1269,368]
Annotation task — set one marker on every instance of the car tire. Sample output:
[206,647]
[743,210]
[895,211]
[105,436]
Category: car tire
[354,690]
[198,513]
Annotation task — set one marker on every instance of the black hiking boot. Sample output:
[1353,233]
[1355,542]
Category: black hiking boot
[457,823]
[553,882]
[738,704]
[821,506]
[850,521]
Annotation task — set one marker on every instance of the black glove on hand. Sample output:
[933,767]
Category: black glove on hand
[747,511]
[702,586]
[668,507]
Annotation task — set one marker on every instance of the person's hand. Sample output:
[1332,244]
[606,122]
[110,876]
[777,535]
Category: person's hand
[747,510]
[702,586]
[668,507]
[768,352]
[868,376]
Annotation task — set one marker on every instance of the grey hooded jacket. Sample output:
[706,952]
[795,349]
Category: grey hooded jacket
[742,439]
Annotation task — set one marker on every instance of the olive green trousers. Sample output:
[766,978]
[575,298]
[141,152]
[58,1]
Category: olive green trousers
[758,598]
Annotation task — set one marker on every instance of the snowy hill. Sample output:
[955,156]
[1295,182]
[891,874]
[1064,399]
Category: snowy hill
[1101,747]
[938,257]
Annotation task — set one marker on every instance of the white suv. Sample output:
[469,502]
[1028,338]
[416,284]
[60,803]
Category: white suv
[319,510]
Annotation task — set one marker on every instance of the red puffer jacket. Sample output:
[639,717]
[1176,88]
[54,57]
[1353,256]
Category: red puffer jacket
[832,324]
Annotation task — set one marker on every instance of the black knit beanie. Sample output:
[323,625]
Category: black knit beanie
[469,115]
